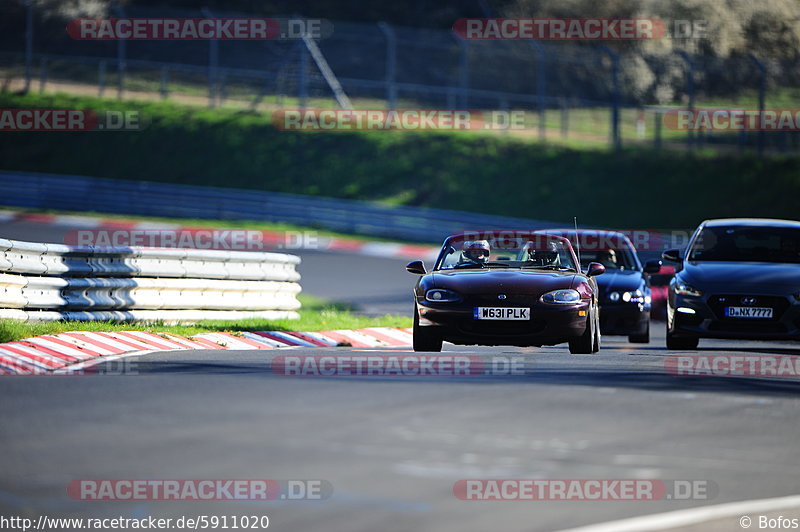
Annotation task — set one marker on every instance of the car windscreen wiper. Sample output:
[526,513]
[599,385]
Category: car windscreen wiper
[498,264]
[468,265]
[550,267]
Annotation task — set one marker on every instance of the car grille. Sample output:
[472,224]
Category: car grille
[742,326]
[511,300]
[719,302]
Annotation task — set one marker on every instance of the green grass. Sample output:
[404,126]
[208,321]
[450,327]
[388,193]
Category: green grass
[492,174]
[588,128]
[316,315]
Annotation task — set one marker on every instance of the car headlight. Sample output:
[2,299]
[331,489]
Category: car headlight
[440,295]
[562,296]
[633,297]
[683,289]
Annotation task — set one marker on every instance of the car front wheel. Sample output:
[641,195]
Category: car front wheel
[678,343]
[643,338]
[589,341]
[426,339]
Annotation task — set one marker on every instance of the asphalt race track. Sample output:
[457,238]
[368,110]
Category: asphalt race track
[393,447]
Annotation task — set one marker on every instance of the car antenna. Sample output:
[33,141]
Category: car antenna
[577,240]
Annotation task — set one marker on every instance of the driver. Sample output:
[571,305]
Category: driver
[548,256]
[608,258]
[475,252]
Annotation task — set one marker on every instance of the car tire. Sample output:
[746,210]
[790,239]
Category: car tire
[588,342]
[425,340]
[681,343]
[643,338]
[597,332]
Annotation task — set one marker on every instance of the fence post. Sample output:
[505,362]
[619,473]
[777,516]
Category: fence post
[28,43]
[213,63]
[464,72]
[42,75]
[303,88]
[689,92]
[762,95]
[541,86]
[391,64]
[615,136]
[657,130]
[121,66]
[101,78]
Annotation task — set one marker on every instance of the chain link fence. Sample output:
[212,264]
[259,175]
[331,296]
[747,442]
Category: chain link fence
[571,92]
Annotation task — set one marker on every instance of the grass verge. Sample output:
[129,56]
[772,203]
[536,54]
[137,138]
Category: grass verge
[316,315]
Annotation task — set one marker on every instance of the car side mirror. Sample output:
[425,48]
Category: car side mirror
[672,255]
[417,267]
[595,268]
[652,266]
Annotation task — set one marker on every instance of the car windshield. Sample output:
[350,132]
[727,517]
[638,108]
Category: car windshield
[611,249]
[612,259]
[747,244]
[506,251]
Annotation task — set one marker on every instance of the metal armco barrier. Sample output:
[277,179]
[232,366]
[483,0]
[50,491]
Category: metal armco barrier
[53,281]
[116,196]
[73,261]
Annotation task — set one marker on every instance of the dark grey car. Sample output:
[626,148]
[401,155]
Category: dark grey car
[740,278]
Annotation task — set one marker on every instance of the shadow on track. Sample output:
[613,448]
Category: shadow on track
[655,381]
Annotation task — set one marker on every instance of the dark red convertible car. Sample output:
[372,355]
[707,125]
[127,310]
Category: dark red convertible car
[506,288]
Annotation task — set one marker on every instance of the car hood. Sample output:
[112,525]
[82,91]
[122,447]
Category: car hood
[534,282]
[619,281]
[742,274]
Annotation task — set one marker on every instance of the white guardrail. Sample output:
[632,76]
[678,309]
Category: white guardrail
[56,282]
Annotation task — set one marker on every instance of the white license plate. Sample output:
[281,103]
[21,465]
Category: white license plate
[748,312]
[502,313]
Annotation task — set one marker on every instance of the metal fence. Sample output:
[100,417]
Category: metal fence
[63,192]
[578,92]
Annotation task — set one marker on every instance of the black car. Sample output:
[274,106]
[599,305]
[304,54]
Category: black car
[740,278]
[506,288]
[625,296]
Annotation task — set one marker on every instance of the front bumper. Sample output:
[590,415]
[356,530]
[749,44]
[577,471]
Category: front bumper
[624,318]
[549,324]
[704,317]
